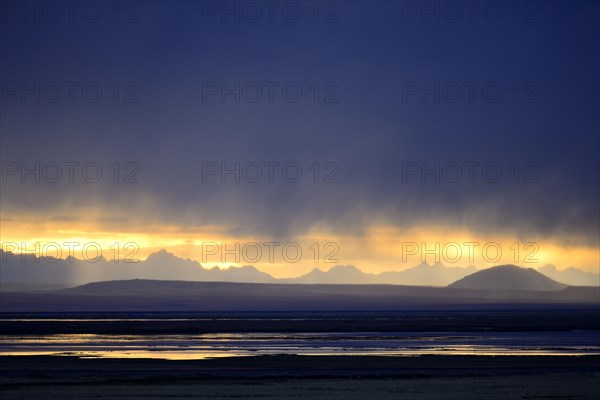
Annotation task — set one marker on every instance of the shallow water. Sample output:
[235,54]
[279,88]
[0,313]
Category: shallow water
[335,343]
[208,335]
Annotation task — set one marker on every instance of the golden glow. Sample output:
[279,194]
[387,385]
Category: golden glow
[378,249]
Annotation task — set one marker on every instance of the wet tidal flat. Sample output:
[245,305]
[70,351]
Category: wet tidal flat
[417,355]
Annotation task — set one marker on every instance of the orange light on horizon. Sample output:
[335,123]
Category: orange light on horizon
[378,249]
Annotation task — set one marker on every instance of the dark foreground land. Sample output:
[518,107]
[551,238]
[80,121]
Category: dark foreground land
[296,377]
[533,320]
[289,377]
[185,296]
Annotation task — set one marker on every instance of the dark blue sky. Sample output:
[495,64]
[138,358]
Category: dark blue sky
[368,61]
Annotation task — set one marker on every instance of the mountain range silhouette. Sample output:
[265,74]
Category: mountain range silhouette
[39,273]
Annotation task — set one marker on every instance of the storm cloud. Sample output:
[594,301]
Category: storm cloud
[389,115]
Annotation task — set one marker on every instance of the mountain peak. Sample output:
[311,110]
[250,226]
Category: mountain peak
[345,268]
[548,268]
[508,277]
[426,266]
[161,254]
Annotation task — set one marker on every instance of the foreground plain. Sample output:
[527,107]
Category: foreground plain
[285,377]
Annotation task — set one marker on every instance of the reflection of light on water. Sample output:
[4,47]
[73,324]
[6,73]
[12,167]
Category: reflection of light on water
[189,347]
[193,355]
[162,355]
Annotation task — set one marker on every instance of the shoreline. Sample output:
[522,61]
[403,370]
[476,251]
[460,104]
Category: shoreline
[22,368]
[302,377]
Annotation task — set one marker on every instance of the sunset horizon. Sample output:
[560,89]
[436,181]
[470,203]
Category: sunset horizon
[219,199]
